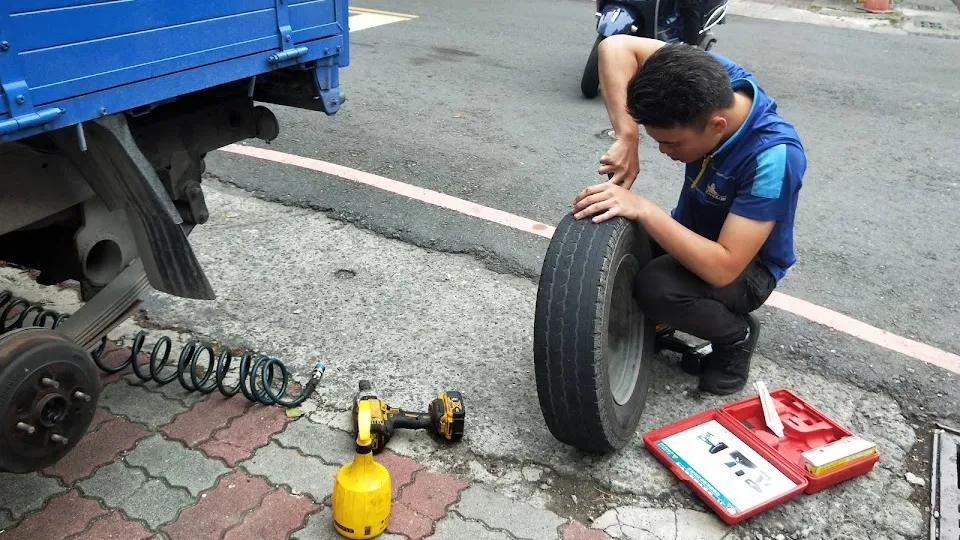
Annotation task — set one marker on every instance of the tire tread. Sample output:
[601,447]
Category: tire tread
[569,303]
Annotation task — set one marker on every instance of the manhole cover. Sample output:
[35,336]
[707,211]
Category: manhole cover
[932,24]
[945,482]
[607,133]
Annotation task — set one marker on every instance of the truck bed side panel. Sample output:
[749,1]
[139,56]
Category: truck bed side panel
[59,51]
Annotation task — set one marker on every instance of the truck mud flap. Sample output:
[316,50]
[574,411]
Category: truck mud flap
[122,177]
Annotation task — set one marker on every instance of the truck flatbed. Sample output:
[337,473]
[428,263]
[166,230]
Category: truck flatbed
[63,62]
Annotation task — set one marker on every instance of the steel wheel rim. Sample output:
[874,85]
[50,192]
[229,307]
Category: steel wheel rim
[625,333]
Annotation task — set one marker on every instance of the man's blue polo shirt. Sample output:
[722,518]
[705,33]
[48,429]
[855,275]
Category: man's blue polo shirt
[756,174]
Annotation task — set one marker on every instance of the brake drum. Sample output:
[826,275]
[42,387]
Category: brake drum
[49,388]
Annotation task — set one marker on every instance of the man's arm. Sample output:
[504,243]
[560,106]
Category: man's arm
[718,263]
[619,58]
[765,195]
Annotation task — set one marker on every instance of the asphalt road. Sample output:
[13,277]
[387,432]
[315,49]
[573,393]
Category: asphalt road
[483,103]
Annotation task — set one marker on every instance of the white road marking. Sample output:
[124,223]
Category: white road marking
[362,18]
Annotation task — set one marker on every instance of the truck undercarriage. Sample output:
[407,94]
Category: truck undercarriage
[109,204]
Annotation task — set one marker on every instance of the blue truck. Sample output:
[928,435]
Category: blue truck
[107,111]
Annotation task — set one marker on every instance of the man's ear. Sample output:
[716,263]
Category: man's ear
[716,125]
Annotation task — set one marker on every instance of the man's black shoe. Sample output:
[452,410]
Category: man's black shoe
[725,370]
[692,362]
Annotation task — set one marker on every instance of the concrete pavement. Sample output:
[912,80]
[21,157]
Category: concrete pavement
[163,463]
[928,18]
[296,284]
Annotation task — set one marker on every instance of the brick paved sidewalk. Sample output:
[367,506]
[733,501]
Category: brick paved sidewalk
[160,462]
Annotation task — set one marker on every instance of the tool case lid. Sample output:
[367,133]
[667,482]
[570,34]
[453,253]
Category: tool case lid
[751,455]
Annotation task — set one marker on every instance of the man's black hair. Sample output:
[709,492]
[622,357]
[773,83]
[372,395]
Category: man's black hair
[678,85]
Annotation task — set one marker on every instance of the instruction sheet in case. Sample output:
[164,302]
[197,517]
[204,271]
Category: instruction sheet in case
[731,472]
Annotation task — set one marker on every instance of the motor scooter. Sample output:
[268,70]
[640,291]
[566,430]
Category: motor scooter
[646,18]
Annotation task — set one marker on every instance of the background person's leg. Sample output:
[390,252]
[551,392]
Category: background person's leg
[688,12]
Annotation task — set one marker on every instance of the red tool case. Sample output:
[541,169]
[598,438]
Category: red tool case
[804,428]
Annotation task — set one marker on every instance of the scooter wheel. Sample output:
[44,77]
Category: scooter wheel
[708,41]
[593,348]
[590,80]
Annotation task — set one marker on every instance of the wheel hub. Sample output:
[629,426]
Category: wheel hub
[51,410]
[49,389]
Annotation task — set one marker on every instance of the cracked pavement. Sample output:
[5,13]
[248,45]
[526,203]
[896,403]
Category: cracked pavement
[160,461]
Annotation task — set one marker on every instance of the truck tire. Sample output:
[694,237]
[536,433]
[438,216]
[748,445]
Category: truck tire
[593,348]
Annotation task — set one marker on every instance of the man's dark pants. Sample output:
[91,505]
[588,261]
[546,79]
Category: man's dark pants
[670,294]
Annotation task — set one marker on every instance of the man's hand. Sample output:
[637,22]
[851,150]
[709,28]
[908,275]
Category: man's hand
[622,161]
[610,199]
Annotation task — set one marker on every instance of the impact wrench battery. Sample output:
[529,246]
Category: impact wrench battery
[444,417]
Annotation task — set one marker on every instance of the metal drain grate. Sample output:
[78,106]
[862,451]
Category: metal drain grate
[945,482]
[932,24]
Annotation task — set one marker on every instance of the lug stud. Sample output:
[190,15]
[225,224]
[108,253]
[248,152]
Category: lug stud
[59,439]
[26,427]
[81,396]
[47,381]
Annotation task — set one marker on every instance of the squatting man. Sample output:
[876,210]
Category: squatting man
[719,254]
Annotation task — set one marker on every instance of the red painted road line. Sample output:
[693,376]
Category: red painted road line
[848,325]
[407,190]
[812,312]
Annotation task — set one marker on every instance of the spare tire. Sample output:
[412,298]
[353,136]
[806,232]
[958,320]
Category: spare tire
[593,348]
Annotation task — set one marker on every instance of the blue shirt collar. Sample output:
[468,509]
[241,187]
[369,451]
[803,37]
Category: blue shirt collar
[738,84]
